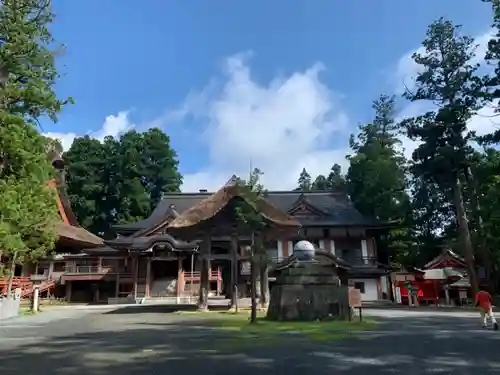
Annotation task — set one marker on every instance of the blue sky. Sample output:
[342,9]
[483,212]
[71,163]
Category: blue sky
[280,84]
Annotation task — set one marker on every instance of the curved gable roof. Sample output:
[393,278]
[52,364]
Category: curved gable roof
[209,207]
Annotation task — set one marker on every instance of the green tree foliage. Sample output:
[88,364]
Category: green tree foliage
[120,181]
[248,213]
[304,181]
[376,176]
[335,178]
[486,167]
[447,79]
[28,208]
[376,179]
[320,183]
[334,181]
[492,81]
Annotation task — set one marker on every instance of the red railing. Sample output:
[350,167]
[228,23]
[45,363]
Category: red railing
[25,284]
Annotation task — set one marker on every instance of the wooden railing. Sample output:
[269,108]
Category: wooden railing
[361,261]
[90,269]
[196,275]
[82,269]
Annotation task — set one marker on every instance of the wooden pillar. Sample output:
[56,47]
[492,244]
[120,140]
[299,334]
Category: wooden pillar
[135,261]
[180,283]
[204,277]
[117,286]
[68,291]
[234,271]
[51,269]
[253,280]
[148,276]
[97,295]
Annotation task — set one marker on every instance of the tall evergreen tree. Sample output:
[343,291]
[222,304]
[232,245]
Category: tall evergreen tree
[492,81]
[333,182]
[28,73]
[320,183]
[335,178]
[376,176]
[448,80]
[376,179]
[304,181]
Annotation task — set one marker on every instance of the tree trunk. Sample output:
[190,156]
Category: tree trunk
[482,247]
[11,274]
[234,271]
[204,276]
[476,209]
[253,278]
[464,234]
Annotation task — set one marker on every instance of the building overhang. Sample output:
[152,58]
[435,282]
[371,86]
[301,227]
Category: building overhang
[145,244]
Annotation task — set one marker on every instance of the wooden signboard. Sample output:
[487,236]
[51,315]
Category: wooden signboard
[355,298]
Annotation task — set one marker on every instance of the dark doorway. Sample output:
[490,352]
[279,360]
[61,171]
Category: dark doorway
[164,269]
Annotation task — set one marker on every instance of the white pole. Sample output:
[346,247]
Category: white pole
[36,293]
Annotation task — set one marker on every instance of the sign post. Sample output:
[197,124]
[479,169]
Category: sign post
[35,300]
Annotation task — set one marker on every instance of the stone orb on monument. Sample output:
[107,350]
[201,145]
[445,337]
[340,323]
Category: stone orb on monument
[304,251]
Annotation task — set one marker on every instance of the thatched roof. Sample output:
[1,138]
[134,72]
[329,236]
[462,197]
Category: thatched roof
[208,208]
[77,234]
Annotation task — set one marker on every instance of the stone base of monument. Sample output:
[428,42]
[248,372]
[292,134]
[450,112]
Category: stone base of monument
[308,291]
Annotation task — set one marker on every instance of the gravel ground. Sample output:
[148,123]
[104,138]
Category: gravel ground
[151,340]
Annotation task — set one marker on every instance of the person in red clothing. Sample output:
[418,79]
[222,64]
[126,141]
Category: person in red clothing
[484,303]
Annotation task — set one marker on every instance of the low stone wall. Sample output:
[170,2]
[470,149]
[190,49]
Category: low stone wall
[9,307]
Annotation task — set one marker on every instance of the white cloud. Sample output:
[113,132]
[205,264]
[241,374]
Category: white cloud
[281,127]
[112,126]
[486,120]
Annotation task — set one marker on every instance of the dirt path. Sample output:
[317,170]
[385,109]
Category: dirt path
[150,340]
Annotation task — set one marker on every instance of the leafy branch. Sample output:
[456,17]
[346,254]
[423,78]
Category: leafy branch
[247,211]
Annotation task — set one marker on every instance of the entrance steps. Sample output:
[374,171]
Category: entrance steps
[161,288]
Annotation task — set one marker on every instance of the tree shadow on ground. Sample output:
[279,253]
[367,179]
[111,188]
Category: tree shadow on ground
[146,343]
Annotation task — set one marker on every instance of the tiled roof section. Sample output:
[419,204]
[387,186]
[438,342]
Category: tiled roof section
[145,243]
[338,209]
[445,254]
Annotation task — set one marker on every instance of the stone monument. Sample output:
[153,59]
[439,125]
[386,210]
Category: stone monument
[307,289]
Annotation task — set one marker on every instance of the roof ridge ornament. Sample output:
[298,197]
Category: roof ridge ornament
[233,180]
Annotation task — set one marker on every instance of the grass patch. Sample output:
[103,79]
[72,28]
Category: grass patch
[26,311]
[240,332]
